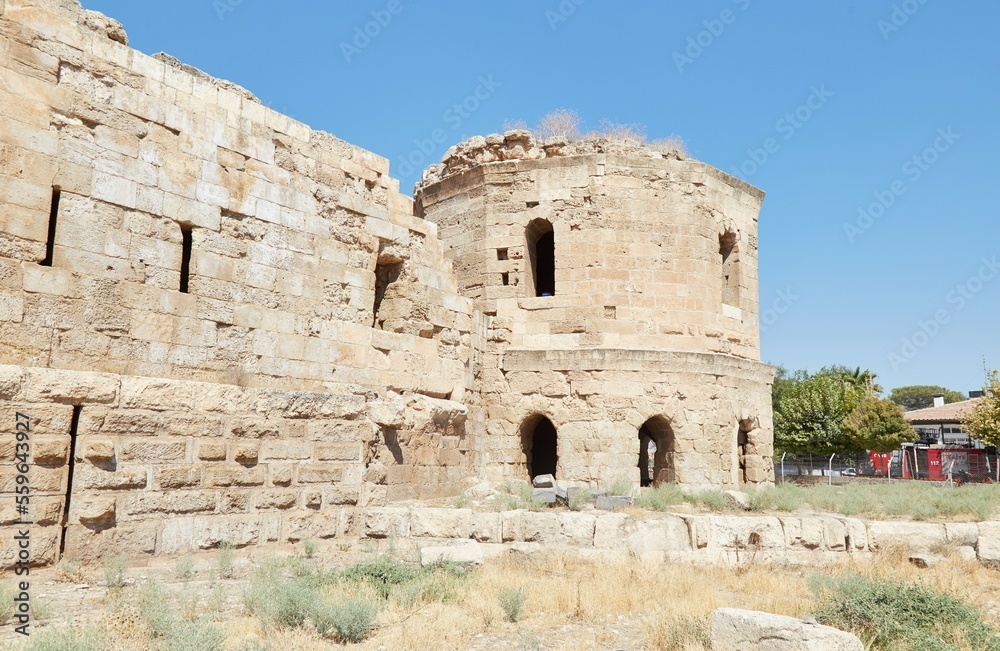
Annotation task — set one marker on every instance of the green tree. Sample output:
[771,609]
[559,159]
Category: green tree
[984,421]
[877,424]
[921,396]
[809,411]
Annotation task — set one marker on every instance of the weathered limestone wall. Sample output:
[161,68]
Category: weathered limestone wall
[162,466]
[643,324]
[282,403]
[637,239]
[287,227]
[701,538]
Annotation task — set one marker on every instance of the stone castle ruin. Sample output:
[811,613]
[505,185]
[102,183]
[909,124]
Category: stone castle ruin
[219,325]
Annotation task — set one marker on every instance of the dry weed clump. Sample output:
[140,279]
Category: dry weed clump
[567,124]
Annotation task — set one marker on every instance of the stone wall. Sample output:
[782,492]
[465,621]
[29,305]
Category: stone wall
[226,326]
[647,324]
[164,466]
[265,398]
[702,538]
[287,226]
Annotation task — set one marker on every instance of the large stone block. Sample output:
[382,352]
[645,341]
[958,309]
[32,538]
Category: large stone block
[745,630]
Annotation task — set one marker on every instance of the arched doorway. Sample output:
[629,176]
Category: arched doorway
[659,470]
[539,443]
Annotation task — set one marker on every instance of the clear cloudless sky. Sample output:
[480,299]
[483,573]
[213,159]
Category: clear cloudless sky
[823,105]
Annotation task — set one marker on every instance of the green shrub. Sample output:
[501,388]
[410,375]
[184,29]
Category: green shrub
[620,486]
[184,567]
[197,635]
[381,574]
[225,557]
[579,498]
[711,498]
[70,569]
[309,547]
[514,496]
[346,621]
[512,602]
[891,616]
[660,498]
[280,601]
[67,638]
[156,609]
[115,568]
[440,582]
[7,593]
[253,645]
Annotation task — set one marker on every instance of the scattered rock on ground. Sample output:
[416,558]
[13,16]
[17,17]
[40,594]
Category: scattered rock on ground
[748,630]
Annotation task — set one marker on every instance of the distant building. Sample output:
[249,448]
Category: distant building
[942,424]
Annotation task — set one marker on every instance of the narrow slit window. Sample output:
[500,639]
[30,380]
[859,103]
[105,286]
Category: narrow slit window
[730,254]
[505,277]
[186,245]
[385,275]
[542,255]
[50,242]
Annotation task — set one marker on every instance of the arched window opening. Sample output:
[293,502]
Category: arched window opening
[540,445]
[730,253]
[542,257]
[657,436]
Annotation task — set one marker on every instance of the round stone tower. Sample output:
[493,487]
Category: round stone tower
[619,288]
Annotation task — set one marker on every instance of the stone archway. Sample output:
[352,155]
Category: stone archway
[539,442]
[658,431]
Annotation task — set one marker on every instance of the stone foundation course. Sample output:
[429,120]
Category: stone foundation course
[699,538]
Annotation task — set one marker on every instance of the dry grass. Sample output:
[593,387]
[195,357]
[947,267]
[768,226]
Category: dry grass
[578,604]
[566,123]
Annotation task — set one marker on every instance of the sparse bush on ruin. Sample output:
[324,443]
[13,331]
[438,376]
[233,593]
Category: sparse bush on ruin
[512,602]
[561,123]
[115,568]
[890,615]
[346,621]
[567,124]
[184,567]
[225,557]
[660,498]
[381,574]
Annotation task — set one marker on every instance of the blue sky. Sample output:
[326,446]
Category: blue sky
[872,126]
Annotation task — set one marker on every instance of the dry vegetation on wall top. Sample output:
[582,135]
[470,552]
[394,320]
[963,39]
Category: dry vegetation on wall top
[558,133]
[568,125]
